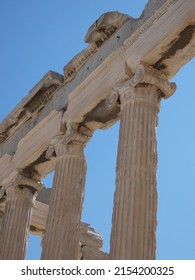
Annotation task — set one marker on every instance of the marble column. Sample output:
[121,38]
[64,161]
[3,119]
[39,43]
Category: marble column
[20,196]
[61,239]
[134,221]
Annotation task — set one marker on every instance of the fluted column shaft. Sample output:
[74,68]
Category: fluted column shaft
[135,201]
[16,221]
[61,240]
[133,233]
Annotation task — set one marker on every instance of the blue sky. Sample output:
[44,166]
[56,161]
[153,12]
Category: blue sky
[37,36]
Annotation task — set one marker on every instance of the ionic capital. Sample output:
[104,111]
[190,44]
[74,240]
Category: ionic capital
[74,135]
[54,146]
[149,75]
[112,100]
[20,186]
[72,142]
[145,76]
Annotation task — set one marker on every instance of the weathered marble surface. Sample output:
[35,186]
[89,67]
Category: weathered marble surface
[115,52]
[131,43]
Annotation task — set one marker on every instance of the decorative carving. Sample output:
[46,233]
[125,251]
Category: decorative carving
[104,27]
[37,186]
[32,104]
[149,75]
[56,141]
[71,69]
[73,135]
[83,57]
[146,74]
[138,77]
[41,99]
[19,180]
[72,142]
[163,9]
[50,151]
[136,35]
[4,127]
[112,100]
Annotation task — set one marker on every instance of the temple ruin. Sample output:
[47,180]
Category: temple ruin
[122,75]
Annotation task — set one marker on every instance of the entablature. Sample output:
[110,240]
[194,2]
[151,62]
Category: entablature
[80,97]
[30,106]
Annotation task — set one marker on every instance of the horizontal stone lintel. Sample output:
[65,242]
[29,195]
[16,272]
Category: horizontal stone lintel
[172,22]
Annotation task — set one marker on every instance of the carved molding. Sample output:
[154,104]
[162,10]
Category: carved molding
[71,143]
[149,95]
[57,140]
[104,27]
[112,100]
[156,16]
[73,134]
[135,36]
[71,69]
[149,75]
[19,185]
[145,76]
[37,103]
[31,105]
[37,186]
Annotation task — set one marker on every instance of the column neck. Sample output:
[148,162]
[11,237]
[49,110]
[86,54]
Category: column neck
[143,94]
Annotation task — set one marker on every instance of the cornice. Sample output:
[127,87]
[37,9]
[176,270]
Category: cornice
[156,16]
[31,105]
[133,38]
[104,27]
[73,66]
[99,32]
